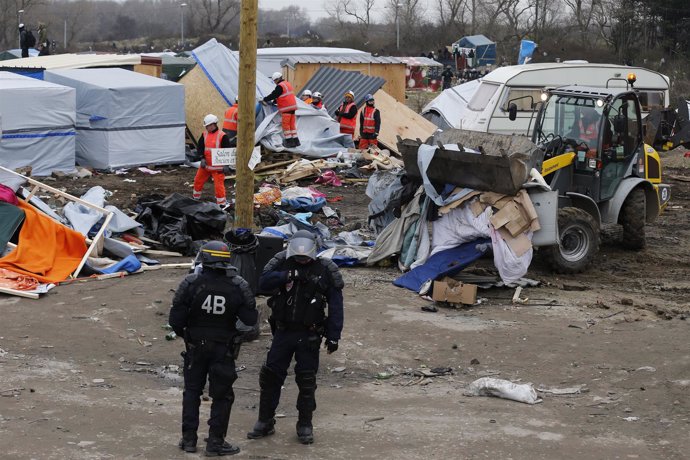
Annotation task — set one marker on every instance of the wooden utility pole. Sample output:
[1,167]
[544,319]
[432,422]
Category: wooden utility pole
[244,185]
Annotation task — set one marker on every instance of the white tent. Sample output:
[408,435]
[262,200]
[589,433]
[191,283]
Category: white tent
[318,133]
[448,108]
[125,118]
[37,124]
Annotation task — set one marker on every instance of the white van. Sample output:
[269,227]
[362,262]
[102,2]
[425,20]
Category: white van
[487,108]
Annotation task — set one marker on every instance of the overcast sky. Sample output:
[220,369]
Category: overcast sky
[316,8]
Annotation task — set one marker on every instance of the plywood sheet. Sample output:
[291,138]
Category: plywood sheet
[200,99]
[399,120]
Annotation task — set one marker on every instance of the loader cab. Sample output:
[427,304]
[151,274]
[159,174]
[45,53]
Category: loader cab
[599,129]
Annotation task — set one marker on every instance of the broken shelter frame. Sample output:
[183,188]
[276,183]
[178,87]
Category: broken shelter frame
[97,240]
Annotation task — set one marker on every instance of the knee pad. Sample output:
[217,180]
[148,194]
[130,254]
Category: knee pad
[306,381]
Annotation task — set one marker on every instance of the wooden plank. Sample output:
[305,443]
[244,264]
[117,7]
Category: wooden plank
[399,120]
[28,295]
[156,252]
[96,240]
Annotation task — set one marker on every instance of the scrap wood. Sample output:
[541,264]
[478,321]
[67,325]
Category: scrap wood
[265,167]
[149,240]
[156,252]
[28,295]
[148,268]
[97,240]
[578,389]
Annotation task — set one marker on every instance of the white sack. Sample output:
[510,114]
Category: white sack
[489,386]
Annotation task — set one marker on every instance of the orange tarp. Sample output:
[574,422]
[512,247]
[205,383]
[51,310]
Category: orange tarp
[47,250]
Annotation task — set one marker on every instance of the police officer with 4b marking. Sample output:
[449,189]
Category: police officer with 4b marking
[205,310]
[306,287]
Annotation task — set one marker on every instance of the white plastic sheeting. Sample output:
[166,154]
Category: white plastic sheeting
[318,133]
[125,118]
[38,120]
[450,105]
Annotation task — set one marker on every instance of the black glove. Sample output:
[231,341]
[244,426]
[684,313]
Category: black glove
[298,275]
[337,113]
[202,164]
[226,170]
[331,345]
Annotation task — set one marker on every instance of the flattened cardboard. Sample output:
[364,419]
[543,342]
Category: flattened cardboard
[509,213]
[477,207]
[453,291]
[455,204]
[518,244]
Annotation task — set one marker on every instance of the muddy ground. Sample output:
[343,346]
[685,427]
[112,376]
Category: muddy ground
[85,372]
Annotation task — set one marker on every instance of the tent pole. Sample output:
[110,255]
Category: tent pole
[244,185]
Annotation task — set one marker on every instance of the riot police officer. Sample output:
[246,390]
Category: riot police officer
[305,287]
[205,309]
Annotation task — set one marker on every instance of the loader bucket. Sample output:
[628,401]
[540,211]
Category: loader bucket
[503,164]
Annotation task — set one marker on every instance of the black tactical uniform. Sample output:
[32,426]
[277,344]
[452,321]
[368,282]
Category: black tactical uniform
[205,310]
[299,322]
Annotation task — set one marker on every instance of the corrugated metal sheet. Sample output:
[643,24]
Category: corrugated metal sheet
[333,83]
[346,59]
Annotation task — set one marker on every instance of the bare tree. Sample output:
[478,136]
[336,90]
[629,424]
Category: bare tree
[357,11]
[213,16]
[583,13]
[450,12]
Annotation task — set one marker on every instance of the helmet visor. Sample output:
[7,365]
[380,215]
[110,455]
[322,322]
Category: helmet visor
[301,247]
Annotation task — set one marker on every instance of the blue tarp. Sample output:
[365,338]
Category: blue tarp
[527,48]
[484,49]
[444,263]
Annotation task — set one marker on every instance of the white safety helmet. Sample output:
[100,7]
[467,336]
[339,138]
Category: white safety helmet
[351,94]
[306,92]
[21,26]
[276,76]
[317,95]
[210,119]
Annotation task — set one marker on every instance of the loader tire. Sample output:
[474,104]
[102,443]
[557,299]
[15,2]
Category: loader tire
[632,218]
[578,242]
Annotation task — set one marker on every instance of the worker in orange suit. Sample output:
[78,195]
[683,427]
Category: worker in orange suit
[306,97]
[230,123]
[346,114]
[369,123]
[210,139]
[285,99]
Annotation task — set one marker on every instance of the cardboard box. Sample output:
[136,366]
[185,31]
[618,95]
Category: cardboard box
[452,291]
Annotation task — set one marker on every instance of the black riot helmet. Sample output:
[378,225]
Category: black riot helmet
[302,245]
[215,254]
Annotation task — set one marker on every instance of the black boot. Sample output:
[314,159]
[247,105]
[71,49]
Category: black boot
[217,447]
[305,432]
[296,142]
[270,384]
[262,429]
[188,441]
[306,404]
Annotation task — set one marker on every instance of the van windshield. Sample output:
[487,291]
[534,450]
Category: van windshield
[482,96]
